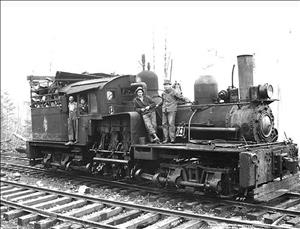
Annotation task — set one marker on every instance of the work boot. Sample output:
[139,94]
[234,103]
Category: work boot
[166,134]
[155,138]
[69,143]
[165,141]
[172,141]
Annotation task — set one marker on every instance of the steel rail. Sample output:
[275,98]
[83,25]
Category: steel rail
[264,207]
[136,187]
[148,208]
[22,166]
[115,183]
[14,157]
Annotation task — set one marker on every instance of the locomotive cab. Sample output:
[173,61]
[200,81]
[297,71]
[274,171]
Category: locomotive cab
[49,111]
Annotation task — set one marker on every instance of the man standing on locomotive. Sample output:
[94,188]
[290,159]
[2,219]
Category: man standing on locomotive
[72,121]
[170,98]
[83,107]
[146,107]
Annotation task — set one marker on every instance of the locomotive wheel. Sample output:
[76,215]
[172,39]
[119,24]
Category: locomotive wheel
[47,160]
[156,181]
[68,166]
[96,168]
[89,167]
[118,171]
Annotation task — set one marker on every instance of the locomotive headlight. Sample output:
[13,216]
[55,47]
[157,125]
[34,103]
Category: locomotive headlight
[254,158]
[270,91]
[223,95]
[266,125]
[266,91]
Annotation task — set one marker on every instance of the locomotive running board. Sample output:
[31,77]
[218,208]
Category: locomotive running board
[274,189]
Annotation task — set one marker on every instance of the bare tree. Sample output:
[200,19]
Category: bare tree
[8,118]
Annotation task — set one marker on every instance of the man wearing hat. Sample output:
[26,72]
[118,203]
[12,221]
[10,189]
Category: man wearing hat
[145,106]
[170,99]
[72,121]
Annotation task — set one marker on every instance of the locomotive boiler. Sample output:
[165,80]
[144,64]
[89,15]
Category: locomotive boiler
[225,114]
[226,142]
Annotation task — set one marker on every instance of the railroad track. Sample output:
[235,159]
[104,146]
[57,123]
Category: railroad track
[79,178]
[281,211]
[14,157]
[51,208]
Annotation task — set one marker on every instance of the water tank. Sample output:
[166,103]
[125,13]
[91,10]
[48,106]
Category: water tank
[151,79]
[205,90]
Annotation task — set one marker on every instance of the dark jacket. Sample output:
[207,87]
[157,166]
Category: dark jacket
[83,108]
[147,101]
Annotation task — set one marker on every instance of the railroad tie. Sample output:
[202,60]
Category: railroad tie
[18,194]
[271,217]
[11,191]
[122,217]
[141,220]
[85,210]
[79,226]
[165,223]
[294,222]
[103,214]
[23,220]
[223,209]
[67,225]
[256,215]
[5,187]
[12,214]
[290,203]
[46,223]
[3,209]
[28,196]
[52,203]
[17,213]
[68,206]
[63,225]
[193,224]
[39,200]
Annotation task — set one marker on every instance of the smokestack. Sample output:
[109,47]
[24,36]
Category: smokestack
[245,65]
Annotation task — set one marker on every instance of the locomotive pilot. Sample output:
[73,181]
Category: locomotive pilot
[144,105]
[170,98]
[72,121]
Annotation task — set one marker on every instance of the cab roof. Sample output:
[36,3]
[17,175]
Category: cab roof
[88,85]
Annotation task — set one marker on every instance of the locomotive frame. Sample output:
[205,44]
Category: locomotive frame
[226,142]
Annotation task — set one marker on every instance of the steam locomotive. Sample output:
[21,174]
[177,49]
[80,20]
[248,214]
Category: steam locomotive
[226,142]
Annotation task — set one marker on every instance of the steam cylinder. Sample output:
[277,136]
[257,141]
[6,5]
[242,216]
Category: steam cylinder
[151,79]
[205,90]
[245,66]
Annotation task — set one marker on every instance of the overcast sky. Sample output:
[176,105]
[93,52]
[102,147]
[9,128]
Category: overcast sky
[41,38]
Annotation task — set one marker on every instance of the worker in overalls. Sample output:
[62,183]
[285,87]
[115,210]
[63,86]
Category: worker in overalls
[146,107]
[170,98]
[72,121]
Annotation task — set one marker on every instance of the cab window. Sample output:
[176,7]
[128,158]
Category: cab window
[92,103]
[83,104]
